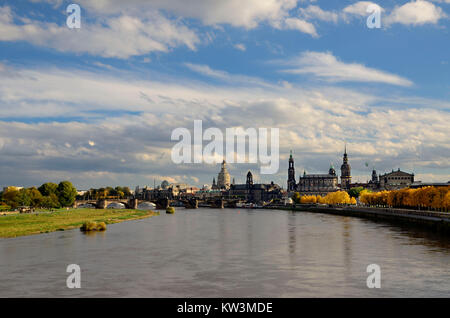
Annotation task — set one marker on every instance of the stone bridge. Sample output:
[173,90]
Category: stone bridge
[161,204]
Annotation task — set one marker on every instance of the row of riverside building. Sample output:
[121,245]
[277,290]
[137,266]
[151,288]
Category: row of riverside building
[308,184]
[322,184]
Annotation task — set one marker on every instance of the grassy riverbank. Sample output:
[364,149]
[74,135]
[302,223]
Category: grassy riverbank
[45,222]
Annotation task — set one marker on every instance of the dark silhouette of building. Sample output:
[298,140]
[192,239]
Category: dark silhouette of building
[291,184]
[346,176]
[318,184]
[255,193]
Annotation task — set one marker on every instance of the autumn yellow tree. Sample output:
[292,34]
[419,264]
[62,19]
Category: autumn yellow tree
[338,197]
[426,197]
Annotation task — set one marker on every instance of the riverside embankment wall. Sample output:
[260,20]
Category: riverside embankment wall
[439,221]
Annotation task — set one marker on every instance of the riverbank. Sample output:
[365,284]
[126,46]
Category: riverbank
[61,220]
[437,221]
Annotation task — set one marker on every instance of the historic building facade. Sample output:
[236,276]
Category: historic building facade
[223,179]
[255,193]
[396,180]
[319,184]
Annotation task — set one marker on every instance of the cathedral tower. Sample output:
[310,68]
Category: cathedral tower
[223,179]
[249,182]
[291,175]
[346,177]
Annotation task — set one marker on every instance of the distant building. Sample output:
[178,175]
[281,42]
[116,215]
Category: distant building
[205,194]
[395,180]
[419,184]
[291,184]
[318,184]
[165,191]
[346,176]
[82,192]
[223,179]
[255,193]
[12,188]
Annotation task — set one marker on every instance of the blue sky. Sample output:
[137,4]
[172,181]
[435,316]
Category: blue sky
[97,105]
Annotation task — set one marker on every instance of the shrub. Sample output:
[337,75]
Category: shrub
[93,226]
[170,210]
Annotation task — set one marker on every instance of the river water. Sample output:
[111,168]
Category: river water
[230,253]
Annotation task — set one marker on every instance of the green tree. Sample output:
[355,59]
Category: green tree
[48,188]
[35,197]
[11,197]
[355,192]
[296,197]
[66,193]
[126,191]
[50,202]
[24,197]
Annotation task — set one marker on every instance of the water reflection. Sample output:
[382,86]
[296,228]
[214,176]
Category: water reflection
[230,253]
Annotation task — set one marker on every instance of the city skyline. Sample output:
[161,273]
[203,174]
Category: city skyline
[97,105]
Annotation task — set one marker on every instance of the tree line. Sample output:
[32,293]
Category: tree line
[49,195]
[338,197]
[434,198]
[107,192]
[422,198]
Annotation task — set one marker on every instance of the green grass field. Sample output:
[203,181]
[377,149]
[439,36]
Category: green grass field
[45,222]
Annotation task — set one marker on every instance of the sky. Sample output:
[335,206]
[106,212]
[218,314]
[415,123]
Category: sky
[97,105]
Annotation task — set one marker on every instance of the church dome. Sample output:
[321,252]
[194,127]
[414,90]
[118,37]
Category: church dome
[332,171]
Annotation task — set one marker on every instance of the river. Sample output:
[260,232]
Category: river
[230,253]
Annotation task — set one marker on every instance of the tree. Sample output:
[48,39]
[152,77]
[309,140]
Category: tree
[296,197]
[11,197]
[446,203]
[126,191]
[24,197]
[35,197]
[66,193]
[308,199]
[355,192]
[48,188]
[338,197]
[50,202]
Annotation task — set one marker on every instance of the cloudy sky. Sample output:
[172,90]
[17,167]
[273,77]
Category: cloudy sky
[97,105]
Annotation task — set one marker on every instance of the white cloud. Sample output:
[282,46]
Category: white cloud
[359,8]
[121,36]
[326,66]
[240,47]
[133,149]
[301,25]
[227,77]
[315,12]
[415,13]
[238,13]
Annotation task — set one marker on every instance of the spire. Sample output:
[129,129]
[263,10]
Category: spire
[345,149]
[291,154]
[249,179]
